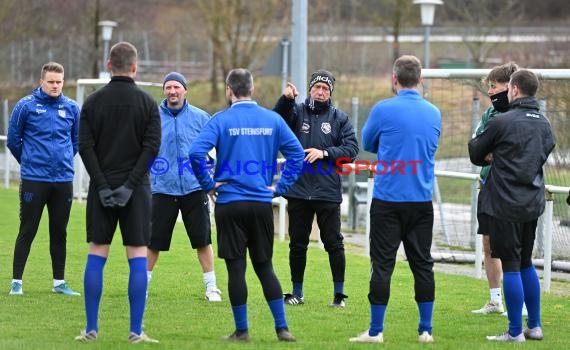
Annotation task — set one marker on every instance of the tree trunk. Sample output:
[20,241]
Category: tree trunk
[215,92]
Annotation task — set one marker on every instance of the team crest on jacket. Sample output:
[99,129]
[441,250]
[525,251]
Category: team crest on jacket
[326,128]
[305,128]
[61,113]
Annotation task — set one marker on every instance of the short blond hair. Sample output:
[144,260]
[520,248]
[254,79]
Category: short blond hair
[51,67]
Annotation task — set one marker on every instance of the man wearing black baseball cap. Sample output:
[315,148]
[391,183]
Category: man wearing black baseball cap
[326,135]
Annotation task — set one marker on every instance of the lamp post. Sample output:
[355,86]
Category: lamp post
[106,34]
[428,10]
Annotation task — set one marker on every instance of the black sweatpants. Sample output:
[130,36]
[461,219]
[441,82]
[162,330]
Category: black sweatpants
[301,214]
[390,224]
[34,196]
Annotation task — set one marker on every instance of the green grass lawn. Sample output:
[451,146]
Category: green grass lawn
[180,318]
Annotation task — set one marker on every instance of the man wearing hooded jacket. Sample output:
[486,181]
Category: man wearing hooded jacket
[520,142]
[43,137]
[327,137]
[175,188]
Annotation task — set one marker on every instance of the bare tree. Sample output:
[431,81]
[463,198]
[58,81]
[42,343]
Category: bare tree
[479,19]
[236,29]
[392,16]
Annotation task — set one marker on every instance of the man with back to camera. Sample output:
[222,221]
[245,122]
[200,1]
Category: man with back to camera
[405,128]
[497,81]
[247,138]
[178,190]
[327,135]
[119,135]
[520,142]
[43,137]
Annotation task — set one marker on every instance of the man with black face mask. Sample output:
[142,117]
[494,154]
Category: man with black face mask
[328,139]
[497,81]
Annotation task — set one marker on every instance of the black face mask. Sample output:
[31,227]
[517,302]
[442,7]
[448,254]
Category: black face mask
[500,101]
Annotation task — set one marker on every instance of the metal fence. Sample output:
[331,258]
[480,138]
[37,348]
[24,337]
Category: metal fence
[460,97]
[462,100]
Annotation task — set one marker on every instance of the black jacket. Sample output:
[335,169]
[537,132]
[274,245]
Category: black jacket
[119,134]
[331,131]
[520,141]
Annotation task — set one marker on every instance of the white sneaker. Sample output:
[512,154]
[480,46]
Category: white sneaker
[425,337]
[491,307]
[364,337]
[524,312]
[16,289]
[506,337]
[214,295]
[533,333]
[140,338]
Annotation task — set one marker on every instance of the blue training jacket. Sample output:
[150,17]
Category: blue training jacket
[172,174]
[43,136]
[404,132]
[247,139]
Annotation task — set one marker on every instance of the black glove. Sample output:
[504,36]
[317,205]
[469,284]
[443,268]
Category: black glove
[121,195]
[106,197]
[568,198]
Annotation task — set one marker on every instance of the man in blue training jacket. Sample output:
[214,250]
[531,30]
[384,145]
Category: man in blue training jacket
[247,138]
[177,190]
[404,131]
[43,137]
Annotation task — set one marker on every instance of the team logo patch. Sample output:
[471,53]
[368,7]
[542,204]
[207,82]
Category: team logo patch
[305,128]
[28,196]
[61,113]
[326,128]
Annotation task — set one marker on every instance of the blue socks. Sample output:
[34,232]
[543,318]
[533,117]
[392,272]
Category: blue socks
[277,308]
[514,298]
[240,317]
[377,313]
[531,286]
[339,287]
[426,313]
[92,289]
[298,289]
[137,292]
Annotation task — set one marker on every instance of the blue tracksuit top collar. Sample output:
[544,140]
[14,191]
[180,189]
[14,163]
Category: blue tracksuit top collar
[164,106]
[409,92]
[41,96]
[243,103]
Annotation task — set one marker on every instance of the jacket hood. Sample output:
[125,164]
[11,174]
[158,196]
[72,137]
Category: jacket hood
[45,98]
[525,102]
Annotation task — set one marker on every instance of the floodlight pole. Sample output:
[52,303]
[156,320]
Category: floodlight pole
[299,46]
[106,34]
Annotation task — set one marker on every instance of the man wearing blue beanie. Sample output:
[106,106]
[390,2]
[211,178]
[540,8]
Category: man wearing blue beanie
[175,76]
[174,192]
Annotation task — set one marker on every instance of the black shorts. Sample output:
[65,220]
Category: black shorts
[482,219]
[512,242]
[195,215]
[245,225]
[133,219]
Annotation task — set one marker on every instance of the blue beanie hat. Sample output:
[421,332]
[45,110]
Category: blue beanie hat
[176,77]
